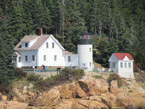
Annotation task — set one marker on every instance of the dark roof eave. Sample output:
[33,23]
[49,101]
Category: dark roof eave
[24,49]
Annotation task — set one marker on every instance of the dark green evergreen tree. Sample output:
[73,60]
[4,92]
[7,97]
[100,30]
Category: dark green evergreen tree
[6,50]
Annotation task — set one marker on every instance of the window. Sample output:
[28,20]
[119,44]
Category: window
[125,65]
[15,58]
[121,65]
[129,64]
[19,59]
[20,46]
[113,65]
[52,45]
[46,44]
[69,58]
[26,44]
[55,57]
[90,64]
[33,57]
[26,58]
[90,49]
[44,57]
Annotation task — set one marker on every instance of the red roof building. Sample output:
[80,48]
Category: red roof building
[122,64]
[120,56]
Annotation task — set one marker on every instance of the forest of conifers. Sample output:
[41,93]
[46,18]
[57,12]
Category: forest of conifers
[114,25]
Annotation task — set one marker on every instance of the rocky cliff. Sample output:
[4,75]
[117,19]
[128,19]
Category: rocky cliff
[87,93]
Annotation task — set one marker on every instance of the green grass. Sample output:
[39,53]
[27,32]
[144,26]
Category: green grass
[98,77]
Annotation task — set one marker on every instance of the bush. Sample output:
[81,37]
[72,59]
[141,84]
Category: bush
[65,75]
[98,77]
[140,77]
[18,73]
[34,78]
[5,88]
[116,77]
[69,74]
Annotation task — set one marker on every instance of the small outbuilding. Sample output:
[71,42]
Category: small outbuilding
[122,64]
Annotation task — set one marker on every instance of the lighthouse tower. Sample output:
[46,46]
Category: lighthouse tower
[85,52]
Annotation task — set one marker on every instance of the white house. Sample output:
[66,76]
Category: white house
[122,64]
[45,50]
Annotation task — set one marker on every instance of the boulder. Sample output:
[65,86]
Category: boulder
[38,101]
[102,85]
[114,87]
[4,97]
[65,92]
[92,104]
[93,86]
[76,90]
[51,97]
[65,104]
[25,91]
[15,98]
[79,104]
[1,94]
[30,93]
[25,88]
[12,105]
[109,100]
[134,99]
[16,91]
[95,98]
[30,86]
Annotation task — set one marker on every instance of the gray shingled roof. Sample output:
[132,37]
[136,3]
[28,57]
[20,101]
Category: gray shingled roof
[41,39]
[68,53]
[28,38]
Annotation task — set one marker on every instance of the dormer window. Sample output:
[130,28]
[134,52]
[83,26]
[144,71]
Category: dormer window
[26,44]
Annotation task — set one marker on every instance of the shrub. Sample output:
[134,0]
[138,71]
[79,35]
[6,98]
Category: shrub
[69,74]
[5,88]
[116,77]
[78,73]
[140,77]
[98,77]
[65,75]
[34,78]
[18,73]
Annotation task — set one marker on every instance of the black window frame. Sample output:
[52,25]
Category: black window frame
[44,58]
[19,58]
[52,44]
[47,46]
[55,57]
[69,58]
[121,65]
[90,49]
[90,64]
[26,58]
[15,58]
[114,65]
[26,44]
[33,57]
[125,65]
[129,64]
